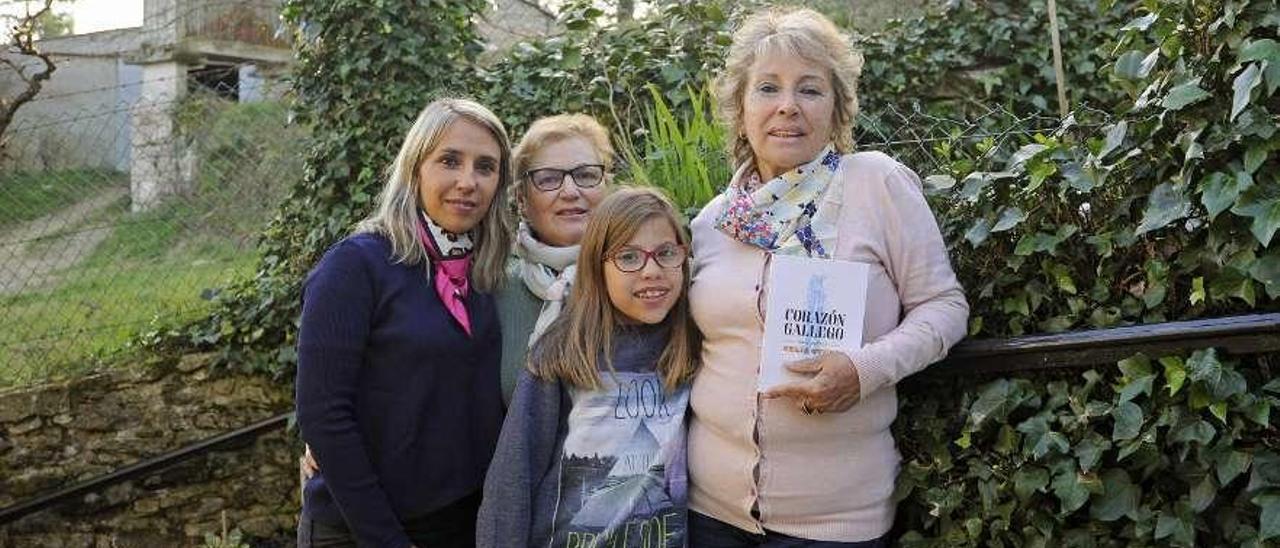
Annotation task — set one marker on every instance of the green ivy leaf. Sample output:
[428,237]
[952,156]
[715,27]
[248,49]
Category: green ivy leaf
[1185,94]
[1218,191]
[1269,517]
[1135,65]
[1272,386]
[1083,178]
[1166,204]
[1199,431]
[1255,156]
[1219,410]
[1009,218]
[1197,290]
[1141,385]
[978,233]
[1006,440]
[1115,137]
[937,183]
[1039,172]
[1119,497]
[975,183]
[1263,206]
[1203,493]
[1266,50]
[1204,366]
[1029,480]
[1267,271]
[1070,490]
[1089,450]
[1243,89]
[1266,471]
[1141,23]
[1027,152]
[1041,242]
[994,402]
[1138,365]
[1260,50]
[1061,276]
[1128,421]
[1231,464]
[1178,524]
[1174,373]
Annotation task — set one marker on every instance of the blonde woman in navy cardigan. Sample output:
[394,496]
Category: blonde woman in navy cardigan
[399,345]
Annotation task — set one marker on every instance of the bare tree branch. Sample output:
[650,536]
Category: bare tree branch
[23,43]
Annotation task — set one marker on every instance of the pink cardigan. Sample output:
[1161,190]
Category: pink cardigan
[822,477]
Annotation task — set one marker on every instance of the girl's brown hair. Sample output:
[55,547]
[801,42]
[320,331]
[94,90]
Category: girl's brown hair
[572,345]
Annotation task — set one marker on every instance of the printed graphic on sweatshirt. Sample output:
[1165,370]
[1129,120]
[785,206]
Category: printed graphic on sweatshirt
[623,474]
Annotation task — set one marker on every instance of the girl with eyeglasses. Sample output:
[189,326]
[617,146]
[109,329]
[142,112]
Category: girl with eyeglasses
[593,449]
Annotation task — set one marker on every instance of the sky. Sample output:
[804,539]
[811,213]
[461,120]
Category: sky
[88,15]
[96,15]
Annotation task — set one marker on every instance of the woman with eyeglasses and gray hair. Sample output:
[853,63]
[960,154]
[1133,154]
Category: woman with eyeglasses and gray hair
[810,462]
[562,166]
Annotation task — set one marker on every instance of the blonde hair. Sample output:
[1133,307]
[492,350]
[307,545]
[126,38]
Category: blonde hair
[396,216]
[553,129]
[569,349]
[801,33]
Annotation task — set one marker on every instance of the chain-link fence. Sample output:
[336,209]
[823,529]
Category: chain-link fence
[117,210]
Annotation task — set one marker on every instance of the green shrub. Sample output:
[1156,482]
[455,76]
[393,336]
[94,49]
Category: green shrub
[603,69]
[1167,212]
[1179,451]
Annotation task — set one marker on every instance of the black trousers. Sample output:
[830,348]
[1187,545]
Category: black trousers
[453,526]
[708,532]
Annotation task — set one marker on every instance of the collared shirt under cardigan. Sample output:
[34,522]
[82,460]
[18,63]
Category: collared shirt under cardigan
[830,476]
[401,408]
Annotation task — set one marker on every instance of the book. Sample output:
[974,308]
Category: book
[812,306]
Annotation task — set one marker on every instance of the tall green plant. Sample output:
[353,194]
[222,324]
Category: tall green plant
[683,155]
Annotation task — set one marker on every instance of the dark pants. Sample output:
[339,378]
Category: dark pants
[707,532]
[453,526]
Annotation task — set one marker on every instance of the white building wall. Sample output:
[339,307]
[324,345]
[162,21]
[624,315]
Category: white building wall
[80,117]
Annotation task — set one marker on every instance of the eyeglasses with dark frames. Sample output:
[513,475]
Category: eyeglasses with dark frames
[633,259]
[548,179]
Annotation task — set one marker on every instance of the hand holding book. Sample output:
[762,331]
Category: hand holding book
[833,387]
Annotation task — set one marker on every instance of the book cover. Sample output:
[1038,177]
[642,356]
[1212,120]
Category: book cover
[812,305]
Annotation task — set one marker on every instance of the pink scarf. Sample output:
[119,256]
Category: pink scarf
[451,280]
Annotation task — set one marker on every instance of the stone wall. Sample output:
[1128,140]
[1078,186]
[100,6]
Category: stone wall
[54,435]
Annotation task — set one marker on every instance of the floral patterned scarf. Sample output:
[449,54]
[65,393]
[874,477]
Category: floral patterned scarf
[778,215]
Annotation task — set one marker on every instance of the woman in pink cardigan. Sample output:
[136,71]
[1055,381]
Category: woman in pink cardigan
[811,462]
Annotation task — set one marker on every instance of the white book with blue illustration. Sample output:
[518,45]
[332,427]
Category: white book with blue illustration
[811,306]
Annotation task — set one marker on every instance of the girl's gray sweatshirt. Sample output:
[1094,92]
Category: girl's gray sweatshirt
[592,467]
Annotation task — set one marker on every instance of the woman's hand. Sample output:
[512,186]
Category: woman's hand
[308,463]
[834,387]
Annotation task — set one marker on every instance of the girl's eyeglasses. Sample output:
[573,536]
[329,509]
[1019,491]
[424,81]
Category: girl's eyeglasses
[633,259]
[548,179]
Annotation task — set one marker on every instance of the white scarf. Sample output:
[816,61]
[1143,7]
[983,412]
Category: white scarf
[548,272]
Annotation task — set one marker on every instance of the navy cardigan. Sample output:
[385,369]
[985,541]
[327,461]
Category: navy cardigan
[400,407]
